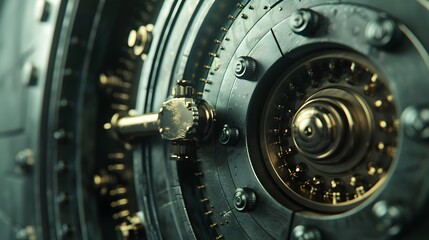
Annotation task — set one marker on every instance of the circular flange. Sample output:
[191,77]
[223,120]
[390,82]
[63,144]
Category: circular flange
[324,151]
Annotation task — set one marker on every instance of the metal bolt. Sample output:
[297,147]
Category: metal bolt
[140,39]
[66,230]
[381,32]
[26,233]
[416,122]
[132,228]
[42,10]
[229,135]
[25,159]
[104,179]
[64,103]
[301,232]
[244,199]
[63,198]
[245,67]
[61,166]
[61,135]
[390,218]
[304,22]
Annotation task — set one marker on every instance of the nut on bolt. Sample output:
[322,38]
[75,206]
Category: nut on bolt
[304,22]
[245,67]
[301,232]
[229,135]
[244,200]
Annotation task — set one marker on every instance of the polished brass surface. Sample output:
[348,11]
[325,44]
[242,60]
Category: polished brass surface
[323,131]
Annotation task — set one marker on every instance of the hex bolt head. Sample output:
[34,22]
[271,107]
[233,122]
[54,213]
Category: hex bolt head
[304,22]
[244,200]
[301,232]
[229,135]
[390,218]
[416,123]
[245,67]
[381,32]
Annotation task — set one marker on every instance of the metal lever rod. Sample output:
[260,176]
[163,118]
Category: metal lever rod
[183,120]
[128,127]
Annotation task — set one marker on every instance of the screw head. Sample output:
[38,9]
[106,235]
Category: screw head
[244,200]
[304,22]
[381,32]
[416,123]
[229,135]
[390,218]
[245,67]
[301,232]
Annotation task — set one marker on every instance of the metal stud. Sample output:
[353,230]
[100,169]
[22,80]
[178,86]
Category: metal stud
[229,135]
[245,67]
[25,159]
[381,32]
[304,22]
[416,122]
[244,199]
[302,232]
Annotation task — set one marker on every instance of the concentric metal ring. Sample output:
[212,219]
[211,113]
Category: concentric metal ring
[326,153]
